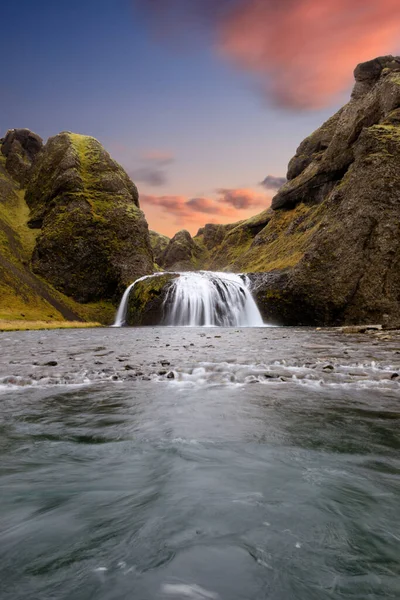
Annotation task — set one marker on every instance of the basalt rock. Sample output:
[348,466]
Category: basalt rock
[21,148]
[94,239]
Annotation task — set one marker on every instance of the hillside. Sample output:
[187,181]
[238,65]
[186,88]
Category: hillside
[328,250]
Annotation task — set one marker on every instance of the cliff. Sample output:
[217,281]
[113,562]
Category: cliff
[72,235]
[328,250]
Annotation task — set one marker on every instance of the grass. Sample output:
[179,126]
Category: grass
[10,325]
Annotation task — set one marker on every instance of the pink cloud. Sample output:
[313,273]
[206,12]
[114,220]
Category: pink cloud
[167,214]
[241,198]
[302,52]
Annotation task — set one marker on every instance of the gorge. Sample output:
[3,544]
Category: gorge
[327,252]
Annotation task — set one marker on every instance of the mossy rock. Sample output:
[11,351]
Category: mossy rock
[159,244]
[146,301]
[94,238]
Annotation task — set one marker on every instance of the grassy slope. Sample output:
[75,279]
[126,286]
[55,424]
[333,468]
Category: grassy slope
[268,241]
[23,295]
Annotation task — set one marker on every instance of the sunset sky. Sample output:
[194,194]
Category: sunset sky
[199,100]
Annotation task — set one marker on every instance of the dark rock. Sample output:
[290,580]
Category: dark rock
[332,248]
[159,244]
[94,239]
[146,301]
[21,147]
[51,363]
[171,375]
[182,253]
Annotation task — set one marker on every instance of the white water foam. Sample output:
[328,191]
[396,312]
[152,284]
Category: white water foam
[203,299]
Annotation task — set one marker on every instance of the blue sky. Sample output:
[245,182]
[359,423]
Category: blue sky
[98,67]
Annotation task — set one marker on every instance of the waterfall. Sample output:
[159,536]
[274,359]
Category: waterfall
[120,317]
[211,299]
[203,298]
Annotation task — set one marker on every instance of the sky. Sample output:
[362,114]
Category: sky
[203,102]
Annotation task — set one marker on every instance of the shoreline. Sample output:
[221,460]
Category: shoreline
[10,325]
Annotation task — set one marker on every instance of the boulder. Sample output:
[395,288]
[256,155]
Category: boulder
[21,148]
[182,253]
[94,238]
[147,298]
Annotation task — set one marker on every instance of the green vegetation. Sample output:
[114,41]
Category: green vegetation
[146,299]
[37,325]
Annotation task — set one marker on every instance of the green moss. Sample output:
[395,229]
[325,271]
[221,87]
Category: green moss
[147,296]
[283,242]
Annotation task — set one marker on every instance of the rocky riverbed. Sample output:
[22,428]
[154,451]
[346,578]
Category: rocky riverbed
[327,357]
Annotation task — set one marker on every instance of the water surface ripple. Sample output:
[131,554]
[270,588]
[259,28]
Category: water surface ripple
[253,464]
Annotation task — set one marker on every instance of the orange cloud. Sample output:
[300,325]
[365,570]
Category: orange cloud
[302,52]
[168,213]
[307,49]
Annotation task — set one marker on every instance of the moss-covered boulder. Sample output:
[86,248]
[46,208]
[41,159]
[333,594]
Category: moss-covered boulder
[146,301]
[93,239]
[159,244]
[182,253]
[23,295]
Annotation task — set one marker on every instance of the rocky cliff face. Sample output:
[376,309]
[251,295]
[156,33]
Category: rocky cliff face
[182,253]
[159,244]
[70,215]
[328,251]
[93,239]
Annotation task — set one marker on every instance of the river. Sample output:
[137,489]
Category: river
[177,463]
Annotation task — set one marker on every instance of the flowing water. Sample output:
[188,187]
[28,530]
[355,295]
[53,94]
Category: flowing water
[203,298]
[177,463]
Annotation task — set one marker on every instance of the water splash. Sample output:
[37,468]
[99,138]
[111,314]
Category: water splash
[211,299]
[203,298]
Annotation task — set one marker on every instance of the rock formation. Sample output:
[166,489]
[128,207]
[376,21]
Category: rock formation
[182,253]
[159,244]
[94,238]
[145,305]
[87,238]
[20,147]
[329,250]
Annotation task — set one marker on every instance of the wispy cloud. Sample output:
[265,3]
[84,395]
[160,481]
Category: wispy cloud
[273,183]
[241,199]
[151,175]
[301,52]
[228,204]
[148,166]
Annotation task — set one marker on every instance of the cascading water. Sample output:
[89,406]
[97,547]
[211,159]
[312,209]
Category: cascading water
[203,298]
[211,299]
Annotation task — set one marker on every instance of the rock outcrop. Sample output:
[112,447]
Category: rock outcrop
[329,250]
[146,301]
[159,244]
[20,147]
[182,253]
[93,239]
